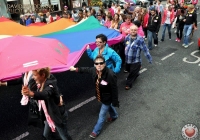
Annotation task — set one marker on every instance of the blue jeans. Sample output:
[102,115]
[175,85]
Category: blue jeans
[187,31]
[61,130]
[151,35]
[168,28]
[102,117]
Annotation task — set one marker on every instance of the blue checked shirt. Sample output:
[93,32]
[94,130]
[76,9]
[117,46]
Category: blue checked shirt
[133,50]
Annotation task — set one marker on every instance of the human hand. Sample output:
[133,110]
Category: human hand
[72,68]
[61,101]
[3,83]
[26,91]
[184,20]
[88,47]
[195,28]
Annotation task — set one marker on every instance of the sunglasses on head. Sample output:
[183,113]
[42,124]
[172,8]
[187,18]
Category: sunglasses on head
[101,63]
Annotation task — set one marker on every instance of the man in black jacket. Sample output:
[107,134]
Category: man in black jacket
[153,27]
[106,91]
[190,23]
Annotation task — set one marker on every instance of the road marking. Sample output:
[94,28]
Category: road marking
[167,56]
[81,104]
[190,43]
[21,136]
[93,97]
[142,70]
[193,54]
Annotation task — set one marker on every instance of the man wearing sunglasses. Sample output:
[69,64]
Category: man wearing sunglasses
[112,59]
[106,91]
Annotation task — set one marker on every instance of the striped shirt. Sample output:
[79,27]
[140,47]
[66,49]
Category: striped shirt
[133,49]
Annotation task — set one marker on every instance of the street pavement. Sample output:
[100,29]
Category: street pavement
[163,99]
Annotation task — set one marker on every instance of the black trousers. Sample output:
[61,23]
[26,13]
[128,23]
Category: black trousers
[122,52]
[179,32]
[145,31]
[133,70]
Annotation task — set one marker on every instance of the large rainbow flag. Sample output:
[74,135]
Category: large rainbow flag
[76,38]
[13,28]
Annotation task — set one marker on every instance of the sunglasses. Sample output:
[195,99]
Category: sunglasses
[98,42]
[101,63]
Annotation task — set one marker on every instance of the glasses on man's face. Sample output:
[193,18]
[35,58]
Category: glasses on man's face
[101,63]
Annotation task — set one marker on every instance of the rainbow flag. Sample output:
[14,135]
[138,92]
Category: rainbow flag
[76,38]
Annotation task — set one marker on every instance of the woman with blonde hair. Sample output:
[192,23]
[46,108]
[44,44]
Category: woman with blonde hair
[145,21]
[115,22]
[118,10]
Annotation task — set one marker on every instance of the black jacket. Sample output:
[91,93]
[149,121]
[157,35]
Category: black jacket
[50,94]
[22,22]
[108,92]
[180,23]
[191,18]
[154,23]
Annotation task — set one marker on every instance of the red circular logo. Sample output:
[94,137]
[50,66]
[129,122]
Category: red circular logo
[189,132]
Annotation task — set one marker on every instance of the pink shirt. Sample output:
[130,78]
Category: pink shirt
[140,31]
[125,28]
[111,11]
[107,24]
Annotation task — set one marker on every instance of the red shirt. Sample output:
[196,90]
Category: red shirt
[145,20]
[50,19]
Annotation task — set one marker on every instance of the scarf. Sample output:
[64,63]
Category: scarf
[27,77]
[42,105]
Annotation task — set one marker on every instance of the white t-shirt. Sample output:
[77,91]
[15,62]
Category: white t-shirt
[167,21]
[136,17]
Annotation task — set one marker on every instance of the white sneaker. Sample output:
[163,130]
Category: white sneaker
[155,45]
[186,46]
[183,45]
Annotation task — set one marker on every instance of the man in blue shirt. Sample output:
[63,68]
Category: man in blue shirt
[134,45]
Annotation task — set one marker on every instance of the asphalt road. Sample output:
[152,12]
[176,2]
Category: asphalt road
[164,98]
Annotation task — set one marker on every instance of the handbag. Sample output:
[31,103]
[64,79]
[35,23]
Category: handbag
[35,117]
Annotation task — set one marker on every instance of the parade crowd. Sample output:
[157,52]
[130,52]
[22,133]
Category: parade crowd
[139,26]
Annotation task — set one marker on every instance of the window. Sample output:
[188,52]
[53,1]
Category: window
[55,4]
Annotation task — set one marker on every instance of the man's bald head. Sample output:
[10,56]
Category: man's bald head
[133,30]
[134,27]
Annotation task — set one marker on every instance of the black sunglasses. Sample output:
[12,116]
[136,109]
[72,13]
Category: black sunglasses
[101,63]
